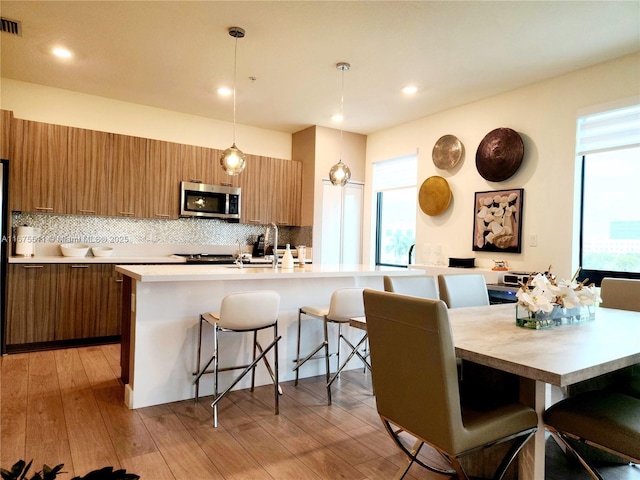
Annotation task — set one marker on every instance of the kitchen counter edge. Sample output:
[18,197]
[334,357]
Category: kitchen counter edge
[190,273]
[113,260]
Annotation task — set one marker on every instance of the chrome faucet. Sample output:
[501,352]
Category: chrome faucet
[239,257]
[275,244]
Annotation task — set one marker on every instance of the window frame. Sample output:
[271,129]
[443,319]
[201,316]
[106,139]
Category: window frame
[379,233]
[594,276]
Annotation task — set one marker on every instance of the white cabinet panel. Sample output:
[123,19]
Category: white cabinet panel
[341,224]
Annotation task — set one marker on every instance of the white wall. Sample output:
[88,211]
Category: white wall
[64,107]
[545,116]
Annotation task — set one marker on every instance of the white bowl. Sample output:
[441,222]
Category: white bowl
[74,249]
[101,251]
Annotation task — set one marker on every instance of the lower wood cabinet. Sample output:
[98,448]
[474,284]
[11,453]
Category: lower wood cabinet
[31,303]
[61,303]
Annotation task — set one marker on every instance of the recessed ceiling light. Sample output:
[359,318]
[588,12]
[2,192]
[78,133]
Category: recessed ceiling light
[224,91]
[61,52]
[410,89]
[337,117]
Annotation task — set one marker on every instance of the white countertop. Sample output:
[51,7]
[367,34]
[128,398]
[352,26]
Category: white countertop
[186,273]
[91,259]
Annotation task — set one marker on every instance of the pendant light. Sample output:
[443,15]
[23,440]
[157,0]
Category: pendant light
[233,159]
[340,173]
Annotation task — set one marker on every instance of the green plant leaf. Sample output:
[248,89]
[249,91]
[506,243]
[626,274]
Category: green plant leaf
[51,473]
[18,471]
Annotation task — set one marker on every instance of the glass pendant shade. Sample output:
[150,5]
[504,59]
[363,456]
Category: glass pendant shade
[339,174]
[233,160]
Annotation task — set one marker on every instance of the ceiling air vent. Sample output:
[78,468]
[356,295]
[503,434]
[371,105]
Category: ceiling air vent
[11,26]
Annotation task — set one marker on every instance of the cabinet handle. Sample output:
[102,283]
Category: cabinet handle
[79,266]
[195,180]
[86,211]
[33,266]
[45,209]
[224,184]
[119,280]
[254,221]
[126,214]
[162,215]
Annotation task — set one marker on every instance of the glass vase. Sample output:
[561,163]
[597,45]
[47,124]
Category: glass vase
[557,316]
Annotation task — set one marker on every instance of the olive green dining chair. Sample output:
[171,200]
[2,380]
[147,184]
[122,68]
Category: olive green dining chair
[620,293]
[607,420]
[413,366]
[623,294]
[423,286]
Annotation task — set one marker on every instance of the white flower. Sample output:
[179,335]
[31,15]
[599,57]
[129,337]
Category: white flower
[588,295]
[539,298]
[542,292]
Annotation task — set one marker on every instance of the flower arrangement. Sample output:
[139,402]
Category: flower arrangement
[543,291]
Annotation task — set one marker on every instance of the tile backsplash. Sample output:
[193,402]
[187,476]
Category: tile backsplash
[184,231]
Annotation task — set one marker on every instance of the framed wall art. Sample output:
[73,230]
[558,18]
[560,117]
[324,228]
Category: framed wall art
[497,221]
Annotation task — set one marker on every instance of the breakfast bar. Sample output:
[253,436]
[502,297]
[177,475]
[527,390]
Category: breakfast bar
[161,308]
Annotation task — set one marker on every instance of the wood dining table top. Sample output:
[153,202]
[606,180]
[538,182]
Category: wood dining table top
[561,355]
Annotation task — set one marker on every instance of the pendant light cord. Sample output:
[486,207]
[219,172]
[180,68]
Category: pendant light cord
[235,62]
[341,112]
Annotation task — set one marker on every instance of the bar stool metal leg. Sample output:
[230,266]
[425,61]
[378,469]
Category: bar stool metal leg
[326,357]
[199,372]
[274,375]
[247,368]
[215,374]
[255,347]
[297,360]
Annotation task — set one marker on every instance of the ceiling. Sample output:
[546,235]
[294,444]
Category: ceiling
[175,54]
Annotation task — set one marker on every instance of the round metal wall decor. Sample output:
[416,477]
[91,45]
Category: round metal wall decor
[434,196]
[447,152]
[499,154]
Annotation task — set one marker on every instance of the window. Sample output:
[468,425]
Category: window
[609,145]
[395,186]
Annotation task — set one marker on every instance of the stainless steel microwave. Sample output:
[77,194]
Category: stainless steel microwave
[209,201]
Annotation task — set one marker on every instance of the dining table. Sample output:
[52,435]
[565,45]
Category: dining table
[559,356]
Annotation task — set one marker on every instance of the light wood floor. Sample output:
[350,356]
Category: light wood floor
[66,406]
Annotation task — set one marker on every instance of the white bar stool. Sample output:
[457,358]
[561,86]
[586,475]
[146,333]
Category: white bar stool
[242,312]
[346,303]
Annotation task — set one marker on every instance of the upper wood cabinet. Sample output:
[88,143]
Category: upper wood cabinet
[256,197]
[38,173]
[6,126]
[88,160]
[57,169]
[271,191]
[162,179]
[197,164]
[286,190]
[127,175]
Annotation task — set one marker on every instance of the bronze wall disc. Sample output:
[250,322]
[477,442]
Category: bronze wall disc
[434,196]
[499,154]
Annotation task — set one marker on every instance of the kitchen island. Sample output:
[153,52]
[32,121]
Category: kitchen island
[161,309]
